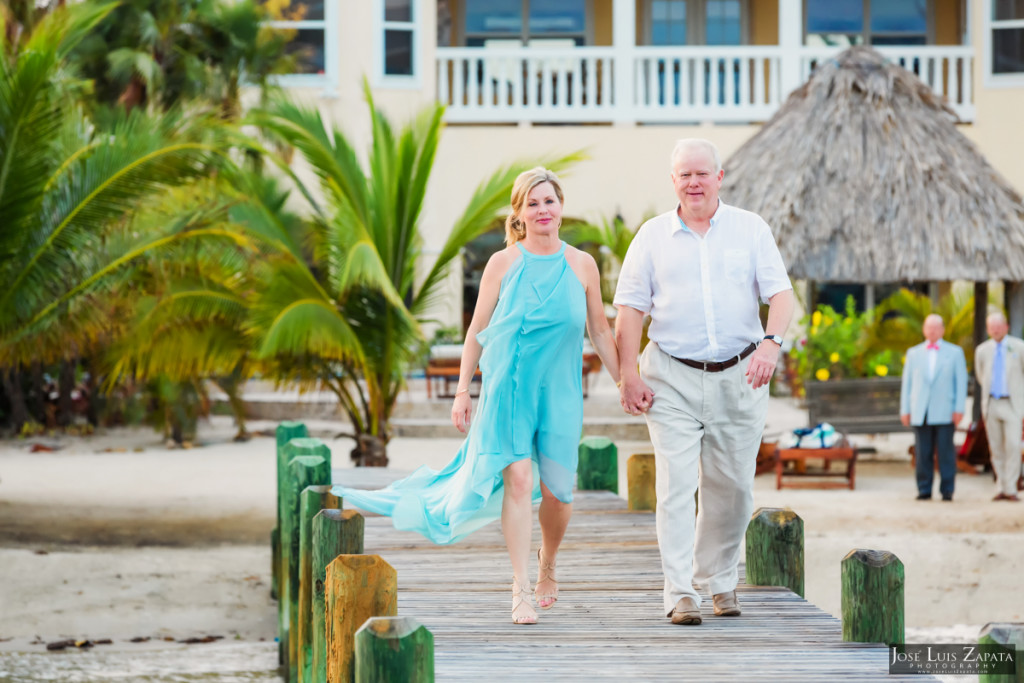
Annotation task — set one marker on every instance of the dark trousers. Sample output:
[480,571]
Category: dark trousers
[930,439]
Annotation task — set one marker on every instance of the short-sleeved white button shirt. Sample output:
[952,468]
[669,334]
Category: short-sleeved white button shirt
[702,292]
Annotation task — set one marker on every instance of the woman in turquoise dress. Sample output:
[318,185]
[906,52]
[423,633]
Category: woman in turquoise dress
[535,297]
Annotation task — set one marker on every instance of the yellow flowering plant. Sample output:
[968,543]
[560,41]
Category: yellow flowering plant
[840,345]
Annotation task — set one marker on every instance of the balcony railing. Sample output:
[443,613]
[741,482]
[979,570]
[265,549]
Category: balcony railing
[660,84]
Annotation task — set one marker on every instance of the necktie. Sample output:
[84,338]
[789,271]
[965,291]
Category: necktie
[933,345]
[999,373]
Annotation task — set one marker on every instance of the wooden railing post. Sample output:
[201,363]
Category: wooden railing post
[358,587]
[1011,637]
[872,597]
[775,549]
[286,431]
[394,649]
[640,480]
[309,466]
[311,502]
[335,532]
[598,468]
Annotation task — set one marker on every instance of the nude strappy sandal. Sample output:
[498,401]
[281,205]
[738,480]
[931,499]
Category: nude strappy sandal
[520,595]
[545,572]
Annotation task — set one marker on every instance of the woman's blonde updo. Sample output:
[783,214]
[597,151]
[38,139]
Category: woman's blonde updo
[515,229]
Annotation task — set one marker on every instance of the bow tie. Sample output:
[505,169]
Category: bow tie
[933,345]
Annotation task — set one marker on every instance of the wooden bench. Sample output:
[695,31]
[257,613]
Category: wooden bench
[823,477]
[446,371]
[856,406]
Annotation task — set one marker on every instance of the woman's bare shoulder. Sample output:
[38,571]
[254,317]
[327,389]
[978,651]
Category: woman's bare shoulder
[500,261]
[578,258]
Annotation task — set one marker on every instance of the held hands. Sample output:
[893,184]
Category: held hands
[762,364]
[635,396]
[462,408]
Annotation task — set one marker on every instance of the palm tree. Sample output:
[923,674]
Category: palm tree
[166,52]
[343,310]
[67,187]
[900,317]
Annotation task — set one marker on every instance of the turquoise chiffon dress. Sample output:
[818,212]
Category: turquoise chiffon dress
[530,406]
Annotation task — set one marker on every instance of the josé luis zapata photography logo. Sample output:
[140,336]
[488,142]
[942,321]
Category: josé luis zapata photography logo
[952,659]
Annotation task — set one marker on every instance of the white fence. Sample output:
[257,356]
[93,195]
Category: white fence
[662,84]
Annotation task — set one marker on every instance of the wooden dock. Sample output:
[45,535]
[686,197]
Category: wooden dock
[608,623]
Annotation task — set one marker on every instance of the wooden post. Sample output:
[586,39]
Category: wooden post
[598,468]
[358,587]
[394,649]
[286,431]
[275,557]
[980,313]
[640,479]
[302,471]
[872,597]
[312,500]
[1011,637]
[775,549]
[335,532]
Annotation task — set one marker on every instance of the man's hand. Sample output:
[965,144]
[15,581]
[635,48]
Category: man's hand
[956,418]
[762,364]
[635,396]
[905,419]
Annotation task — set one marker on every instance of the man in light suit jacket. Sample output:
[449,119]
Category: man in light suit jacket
[999,366]
[932,400]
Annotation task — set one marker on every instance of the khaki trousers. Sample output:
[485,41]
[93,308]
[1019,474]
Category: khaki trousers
[706,428]
[1003,428]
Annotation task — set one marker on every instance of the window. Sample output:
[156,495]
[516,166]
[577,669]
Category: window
[1007,37]
[398,60]
[868,22]
[696,22]
[525,21]
[307,23]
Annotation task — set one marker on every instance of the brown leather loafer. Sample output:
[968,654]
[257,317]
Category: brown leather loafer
[726,604]
[686,612]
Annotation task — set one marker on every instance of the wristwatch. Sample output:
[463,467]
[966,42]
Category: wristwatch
[775,338]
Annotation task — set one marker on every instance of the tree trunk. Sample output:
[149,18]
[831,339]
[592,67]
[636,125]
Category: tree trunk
[37,398]
[370,451]
[229,385]
[15,397]
[65,385]
[92,402]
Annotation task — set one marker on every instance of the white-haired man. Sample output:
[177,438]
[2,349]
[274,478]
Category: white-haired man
[699,271]
[932,396]
[999,366]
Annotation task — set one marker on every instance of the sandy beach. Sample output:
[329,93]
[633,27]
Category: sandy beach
[115,536]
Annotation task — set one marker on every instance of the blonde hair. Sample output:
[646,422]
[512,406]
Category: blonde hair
[515,229]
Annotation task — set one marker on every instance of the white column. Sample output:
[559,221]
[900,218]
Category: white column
[623,42]
[791,35]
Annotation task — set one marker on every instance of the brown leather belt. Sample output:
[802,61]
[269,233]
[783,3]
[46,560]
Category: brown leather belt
[708,366]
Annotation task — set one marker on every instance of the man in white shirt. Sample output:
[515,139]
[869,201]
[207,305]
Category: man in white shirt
[702,382]
[932,396]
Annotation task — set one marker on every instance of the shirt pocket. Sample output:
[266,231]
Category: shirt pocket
[736,263]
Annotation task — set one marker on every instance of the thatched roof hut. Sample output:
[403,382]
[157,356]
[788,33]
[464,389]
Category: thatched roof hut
[864,177]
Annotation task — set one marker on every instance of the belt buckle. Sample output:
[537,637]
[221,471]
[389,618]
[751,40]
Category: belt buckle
[705,364]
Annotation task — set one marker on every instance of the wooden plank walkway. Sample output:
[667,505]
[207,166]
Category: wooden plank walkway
[608,623]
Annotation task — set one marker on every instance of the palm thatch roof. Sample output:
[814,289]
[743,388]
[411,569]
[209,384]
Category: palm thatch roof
[864,177]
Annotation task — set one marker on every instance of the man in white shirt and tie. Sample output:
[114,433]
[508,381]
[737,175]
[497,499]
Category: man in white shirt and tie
[999,367]
[932,399]
[699,271]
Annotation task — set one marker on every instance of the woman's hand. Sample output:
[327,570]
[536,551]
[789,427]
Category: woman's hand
[462,408]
